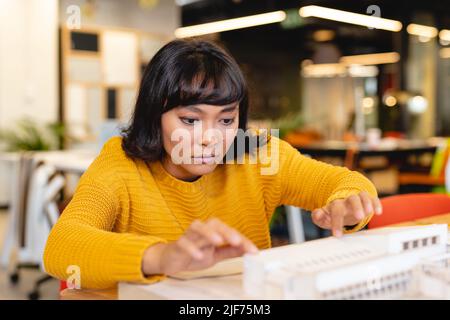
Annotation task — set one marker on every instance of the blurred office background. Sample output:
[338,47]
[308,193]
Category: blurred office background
[368,92]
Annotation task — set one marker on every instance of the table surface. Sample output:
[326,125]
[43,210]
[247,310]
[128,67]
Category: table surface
[386,145]
[112,294]
[72,161]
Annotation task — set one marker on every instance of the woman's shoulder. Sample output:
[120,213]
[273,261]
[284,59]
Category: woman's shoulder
[113,150]
[111,161]
[113,144]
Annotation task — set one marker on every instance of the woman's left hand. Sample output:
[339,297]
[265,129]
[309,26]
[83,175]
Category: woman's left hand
[346,212]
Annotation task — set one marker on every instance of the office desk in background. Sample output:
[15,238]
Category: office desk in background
[70,162]
[227,286]
[387,147]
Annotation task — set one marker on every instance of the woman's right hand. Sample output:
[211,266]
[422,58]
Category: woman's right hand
[203,245]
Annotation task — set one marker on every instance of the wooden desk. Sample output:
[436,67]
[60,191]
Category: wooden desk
[442,218]
[112,294]
[85,294]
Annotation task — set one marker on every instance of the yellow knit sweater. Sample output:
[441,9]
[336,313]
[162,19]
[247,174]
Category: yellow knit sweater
[122,206]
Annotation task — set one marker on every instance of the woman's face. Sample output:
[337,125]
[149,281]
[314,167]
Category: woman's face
[197,137]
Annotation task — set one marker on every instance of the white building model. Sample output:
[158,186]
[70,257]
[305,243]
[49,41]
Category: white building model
[375,264]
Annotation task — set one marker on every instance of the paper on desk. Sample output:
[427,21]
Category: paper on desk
[224,268]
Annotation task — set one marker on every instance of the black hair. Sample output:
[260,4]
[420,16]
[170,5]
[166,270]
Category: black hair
[182,73]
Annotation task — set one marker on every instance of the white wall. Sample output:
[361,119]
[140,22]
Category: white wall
[28,60]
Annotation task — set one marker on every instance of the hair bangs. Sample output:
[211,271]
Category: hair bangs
[207,81]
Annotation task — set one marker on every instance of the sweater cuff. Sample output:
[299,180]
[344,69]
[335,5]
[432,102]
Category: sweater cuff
[345,194]
[127,258]
[359,226]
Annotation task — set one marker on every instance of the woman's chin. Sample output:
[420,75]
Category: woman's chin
[201,169]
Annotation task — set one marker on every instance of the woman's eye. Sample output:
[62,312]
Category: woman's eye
[188,121]
[227,122]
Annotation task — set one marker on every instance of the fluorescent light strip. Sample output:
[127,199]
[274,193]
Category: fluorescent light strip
[371,59]
[421,30]
[185,2]
[363,71]
[444,35]
[230,24]
[324,70]
[350,17]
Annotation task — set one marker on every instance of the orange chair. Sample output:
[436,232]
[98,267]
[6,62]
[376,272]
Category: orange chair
[408,207]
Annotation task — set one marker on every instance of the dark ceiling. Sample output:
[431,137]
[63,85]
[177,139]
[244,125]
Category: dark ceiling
[210,10]
[349,38]
[271,54]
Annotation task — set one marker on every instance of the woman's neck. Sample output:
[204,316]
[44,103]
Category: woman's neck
[177,171]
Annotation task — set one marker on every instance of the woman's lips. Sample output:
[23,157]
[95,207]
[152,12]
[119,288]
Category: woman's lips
[204,160]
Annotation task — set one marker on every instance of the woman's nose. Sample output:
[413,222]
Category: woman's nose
[209,136]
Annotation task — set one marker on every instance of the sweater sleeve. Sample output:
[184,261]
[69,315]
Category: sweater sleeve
[83,238]
[311,184]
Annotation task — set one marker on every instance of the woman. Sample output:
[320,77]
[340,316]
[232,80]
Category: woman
[151,206]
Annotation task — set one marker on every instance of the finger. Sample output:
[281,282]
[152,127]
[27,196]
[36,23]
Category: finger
[356,206]
[228,252]
[319,217]
[187,246]
[377,204]
[248,246]
[367,203]
[338,212]
[209,234]
[200,241]
[232,236]
[318,214]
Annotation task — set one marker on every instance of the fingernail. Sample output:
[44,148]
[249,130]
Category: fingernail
[236,239]
[338,233]
[379,210]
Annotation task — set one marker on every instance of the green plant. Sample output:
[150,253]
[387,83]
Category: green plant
[29,136]
[278,217]
[288,123]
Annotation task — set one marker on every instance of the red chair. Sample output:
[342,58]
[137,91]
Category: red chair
[408,207]
[62,285]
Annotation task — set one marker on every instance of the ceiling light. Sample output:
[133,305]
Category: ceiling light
[390,101]
[230,24]
[424,32]
[370,59]
[350,17]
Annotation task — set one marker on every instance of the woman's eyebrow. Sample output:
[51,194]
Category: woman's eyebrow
[229,109]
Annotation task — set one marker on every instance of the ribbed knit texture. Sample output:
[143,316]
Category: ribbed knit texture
[122,206]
